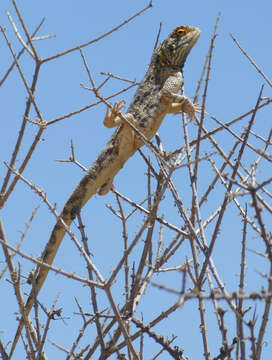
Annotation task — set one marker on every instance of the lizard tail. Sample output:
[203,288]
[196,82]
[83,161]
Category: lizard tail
[108,163]
[47,257]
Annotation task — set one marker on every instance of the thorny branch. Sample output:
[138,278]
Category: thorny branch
[172,235]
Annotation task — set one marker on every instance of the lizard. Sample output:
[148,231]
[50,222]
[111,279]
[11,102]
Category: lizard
[156,96]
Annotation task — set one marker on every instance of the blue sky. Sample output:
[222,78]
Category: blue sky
[233,89]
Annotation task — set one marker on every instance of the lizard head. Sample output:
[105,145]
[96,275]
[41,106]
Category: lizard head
[174,50]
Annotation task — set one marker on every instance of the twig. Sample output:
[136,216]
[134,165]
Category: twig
[251,60]
[81,46]
[19,36]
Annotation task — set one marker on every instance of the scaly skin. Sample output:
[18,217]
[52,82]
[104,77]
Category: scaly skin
[155,97]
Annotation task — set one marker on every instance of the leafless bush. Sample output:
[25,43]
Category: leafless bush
[179,245]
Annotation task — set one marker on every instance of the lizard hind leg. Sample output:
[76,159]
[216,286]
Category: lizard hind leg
[105,188]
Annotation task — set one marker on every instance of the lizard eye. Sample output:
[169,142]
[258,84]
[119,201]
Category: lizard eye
[181,31]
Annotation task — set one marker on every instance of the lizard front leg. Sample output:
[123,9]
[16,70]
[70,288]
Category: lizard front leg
[184,104]
[177,102]
[111,118]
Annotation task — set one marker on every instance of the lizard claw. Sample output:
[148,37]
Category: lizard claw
[111,114]
[191,109]
[118,106]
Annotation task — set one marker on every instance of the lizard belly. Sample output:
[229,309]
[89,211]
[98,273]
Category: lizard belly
[153,124]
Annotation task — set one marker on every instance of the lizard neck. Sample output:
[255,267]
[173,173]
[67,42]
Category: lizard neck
[161,65]
[165,62]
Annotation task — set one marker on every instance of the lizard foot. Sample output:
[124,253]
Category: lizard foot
[111,118]
[191,109]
